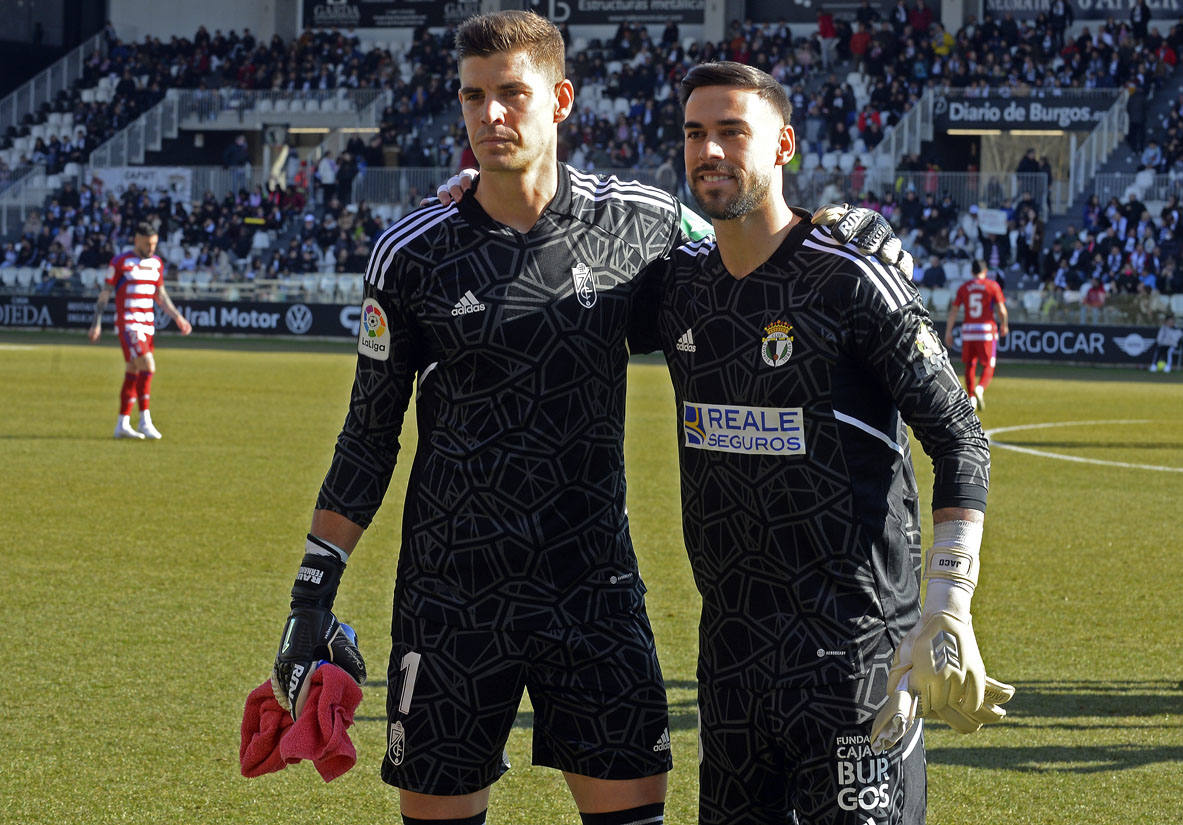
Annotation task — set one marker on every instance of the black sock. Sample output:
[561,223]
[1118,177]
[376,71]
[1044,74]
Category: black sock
[479,819]
[641,815]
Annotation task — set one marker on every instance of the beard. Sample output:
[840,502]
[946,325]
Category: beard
[750,192]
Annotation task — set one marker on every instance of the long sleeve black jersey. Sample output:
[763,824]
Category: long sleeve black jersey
[800,510]
[515,511]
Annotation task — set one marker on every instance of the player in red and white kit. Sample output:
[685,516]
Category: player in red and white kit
[980,296]
[137,280]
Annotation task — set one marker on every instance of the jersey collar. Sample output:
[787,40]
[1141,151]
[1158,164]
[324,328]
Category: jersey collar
[788,247]
[560,204]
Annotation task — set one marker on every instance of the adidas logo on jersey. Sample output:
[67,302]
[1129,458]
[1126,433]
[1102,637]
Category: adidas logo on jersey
[663,741]
[686,342]
[467,305]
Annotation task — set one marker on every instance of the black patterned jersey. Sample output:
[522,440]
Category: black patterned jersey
[799,502]
[515,346]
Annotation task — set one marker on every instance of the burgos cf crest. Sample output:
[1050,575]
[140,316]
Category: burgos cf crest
[585,285]
[777,344]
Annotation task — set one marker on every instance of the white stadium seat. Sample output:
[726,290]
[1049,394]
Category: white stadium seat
[1032,300]
[810,161]
[940,300]
[1177,303]
[328,285]
[830,161]
[846,162]
[8,276]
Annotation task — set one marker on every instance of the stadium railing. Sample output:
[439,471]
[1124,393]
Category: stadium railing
[238,109]
[905,137]
[984,189]
[44,87]
[406,185]
[1148,186]
[145,133]
[25,192]
[232,108]
[1091,154]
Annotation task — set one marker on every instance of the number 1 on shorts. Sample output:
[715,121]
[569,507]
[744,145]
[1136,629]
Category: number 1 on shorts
[410,670]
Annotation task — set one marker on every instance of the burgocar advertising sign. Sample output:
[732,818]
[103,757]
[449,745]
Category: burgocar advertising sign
[1060,342]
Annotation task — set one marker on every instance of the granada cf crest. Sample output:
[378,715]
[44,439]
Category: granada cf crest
[777,344]
[397,748]
[585,285]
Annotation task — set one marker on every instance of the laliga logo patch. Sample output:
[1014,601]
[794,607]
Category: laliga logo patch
[373,337]
[777,344]
[585,285]
[398,743]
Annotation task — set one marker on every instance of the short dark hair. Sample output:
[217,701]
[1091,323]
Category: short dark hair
[738,76]
[510,31]
[977,266]
[145,228]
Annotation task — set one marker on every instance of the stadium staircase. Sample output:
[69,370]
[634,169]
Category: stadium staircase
[1123,161]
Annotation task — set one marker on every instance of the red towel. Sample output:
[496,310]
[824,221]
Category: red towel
[271,741]
[263,724]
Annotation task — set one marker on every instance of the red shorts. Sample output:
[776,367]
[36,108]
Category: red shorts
[983,351]
[134,343]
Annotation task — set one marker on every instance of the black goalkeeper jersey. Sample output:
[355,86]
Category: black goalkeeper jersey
[799,502]
[515,511]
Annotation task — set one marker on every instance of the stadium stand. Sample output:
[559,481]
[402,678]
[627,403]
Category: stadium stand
[626,118]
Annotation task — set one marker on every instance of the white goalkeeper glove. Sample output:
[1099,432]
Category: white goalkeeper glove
[937,669]
[870,233]
[454,189]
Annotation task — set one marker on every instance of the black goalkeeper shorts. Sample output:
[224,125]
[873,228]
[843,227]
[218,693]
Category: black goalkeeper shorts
[597,693]
[802,756]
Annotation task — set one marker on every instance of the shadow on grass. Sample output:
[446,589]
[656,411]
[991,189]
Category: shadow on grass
[1057,699]
[1058,758]
[1105,445]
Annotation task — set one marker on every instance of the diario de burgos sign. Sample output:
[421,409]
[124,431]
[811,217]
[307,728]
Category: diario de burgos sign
[1070,112]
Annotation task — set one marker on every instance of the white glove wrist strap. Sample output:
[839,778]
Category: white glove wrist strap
[951,569]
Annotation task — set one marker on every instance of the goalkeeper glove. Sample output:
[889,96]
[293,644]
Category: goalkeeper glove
[312,635]
[937,669]
[870,233]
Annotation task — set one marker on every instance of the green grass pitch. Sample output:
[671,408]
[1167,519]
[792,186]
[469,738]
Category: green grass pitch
[144,587]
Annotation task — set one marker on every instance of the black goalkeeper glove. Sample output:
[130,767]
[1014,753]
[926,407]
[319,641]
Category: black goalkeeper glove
[312,634]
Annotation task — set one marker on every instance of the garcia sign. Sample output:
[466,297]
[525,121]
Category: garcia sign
[386,14]
[1070,111]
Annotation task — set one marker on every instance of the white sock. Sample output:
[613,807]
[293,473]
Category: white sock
[125,421]
[146,417]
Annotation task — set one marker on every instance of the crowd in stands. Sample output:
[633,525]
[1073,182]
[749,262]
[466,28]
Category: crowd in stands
[626,117]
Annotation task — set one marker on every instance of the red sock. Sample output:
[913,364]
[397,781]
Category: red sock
[987,375]
[143,382]
[127,393]
[970,380]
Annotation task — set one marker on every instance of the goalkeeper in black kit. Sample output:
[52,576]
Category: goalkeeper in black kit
[796,363]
